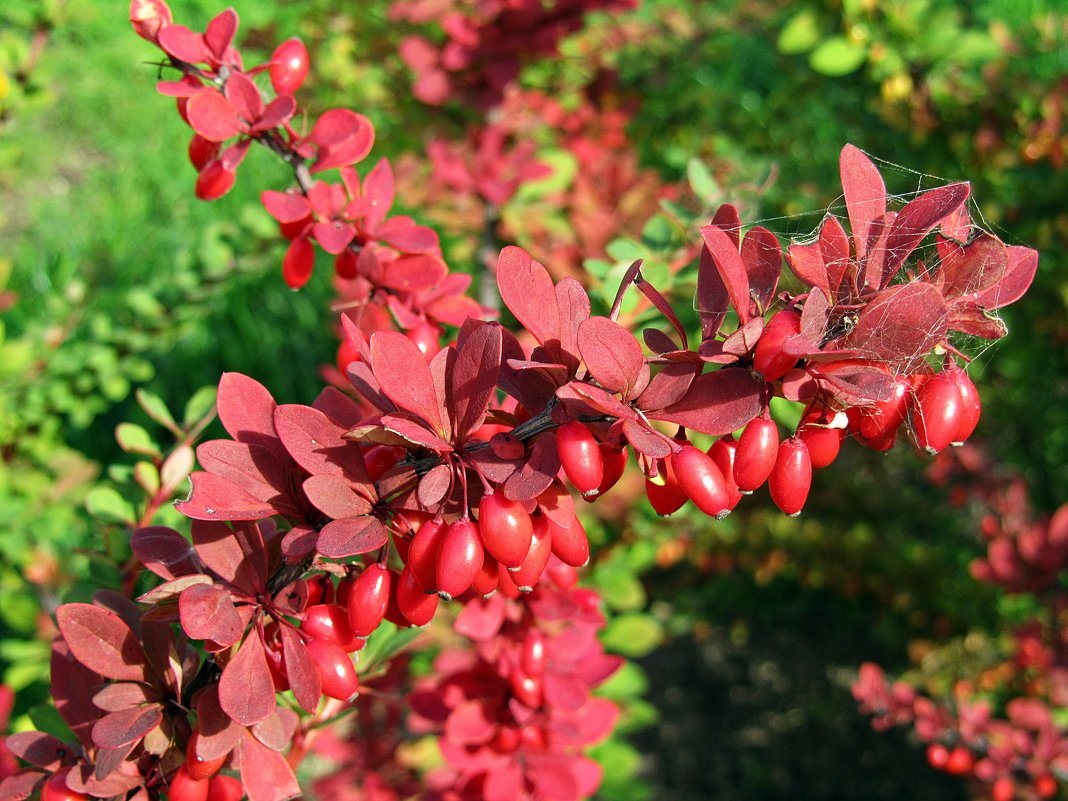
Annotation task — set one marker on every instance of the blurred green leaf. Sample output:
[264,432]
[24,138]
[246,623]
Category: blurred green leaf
[107,504]
[633,634]
[800,34]
[838,56]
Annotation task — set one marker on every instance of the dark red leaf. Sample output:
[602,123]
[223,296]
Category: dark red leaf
[644,440]
[405,377]
[207,613]
[215,498]
[246,410]
[537,473]
[762,257]
[968,318]
[731,269]
[117,729]
[730,221]
[335,497]
[573,305]
[123,695]
[902,323]
[317,443]
[856,385]
[611,353]
[527,291]
[265,774]
[1022,265]
[252,468]
[276,732]
[102,642]
[470,724]
[278,112]
[19,786]
[218,733]
[668,386]
[220,33]
[244,97]
[164,551]
[977,266]
[246,691]
[170,590]
[472,376]
[303,678]
[717,403]
[73,686]
[834,245]
[236,555]
[806,262]
[212,116]
[411,432]
[434,485]
[582,398]
[916,220]
[39,749]
[351,536]
[865,195]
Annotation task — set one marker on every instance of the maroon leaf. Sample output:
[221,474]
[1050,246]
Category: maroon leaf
[405,377]
[170,590]
[244,96]
[265,774]
[102,642]
[123,695]
[527,291]
[73,686]
[717,403]
[472,376]
[977,266]
[728,263]
[806,262]
[728,219]
[246,691]
[215,498]
[865,195]
[117,729]
[252,468]
[303,677]
[351,536]
[316,442]
[668,386]
[470,724]
[212,116]
[537,473]
[1022,265]
[19,786]
[856,385]
[164,551]
[276,732]
[573,305]
[412,432]
[246,410]
[435,485]
[580,398]
[218,733]
[834,245]
[39,749]
[207,613]
[901,323]
[644,440]
[335,497]
[220,33]
[611,353]
[968,318]
[237,555]
[762,257]
[916,220]
[344,138]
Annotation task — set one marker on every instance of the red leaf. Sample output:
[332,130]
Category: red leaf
[265,774]
[251,467]
[39,749]
[339,407]
[481,618]
[728,263]
[19,786]
[246,691]
[1023,263]
[552,779]
[651,443]
[856,385]
[403,234]
[215,498]
[412,432]
[351,536]
[102,642]
[503,782]
[916,220]
[565,691]
[405,377]
[527,291]
[471,377]
[344,138]
[589,397]
[124,695]
[183,44]
[220,33]
[668,386]
[207,613]
[218,733]
[900,324]
[717,403]
[335,497]
[712,297]
[434,485]
[806,262]
[573,305]
[865,195]
[378,193]
[212,116]
[977,266]
[317,443]
[303,678]
[469,724]
[244,97]
[537,473]
[164,551]
[246,410]
[117,729]
[834,245]
[611,353]
[762,257]
[236,555]
[278,112]
[73,686]
[276,732]
[414,273]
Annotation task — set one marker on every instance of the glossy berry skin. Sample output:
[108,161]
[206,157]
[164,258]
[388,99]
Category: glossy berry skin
[346,355]
[1045,786]
[723,451]
[615,462]
[200,768]
[423,553]
[534,654]
[571,545]
[485,583]
[427,337]
[330,622]
[537,556]
[55,789]
[791,478]
[959,762]
[664,493]
[225,788]
[881,421]
[937,756]
[505,584]
[526,689]
[971,408]
[505,528]
[298,263]
[214,181]
[460,557]
[335,669]
[702,481]
[368,599]
[769,359]
[1003,790]
[937,412]
[758,448]
[184,787]
[580,457]
[823,443]
[289,66]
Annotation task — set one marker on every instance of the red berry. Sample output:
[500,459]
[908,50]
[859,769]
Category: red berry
[505,528]
[346,264]
[485,583]
[225,788]
[368,599]
[723,452]
[505,583]
[214,181]
[881,420]
[615,462]
[423,553]
[702,481]
[580,456]
[460,557]
[55,789]
[937,756]
[769,359]
[791,477]
[379,459]
[183,788]
[937,412]
[298,263]
[527,689]
[335,669]
[330,622]
[414,603]
[823,442]
[664,493]
[346,355]
[971,408]
[1003,790]
[200,768]
[534,655]
[1046,786]
[571,545]
[959,761]
[757,449]
[427,337]
[289,66]
[537,556]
